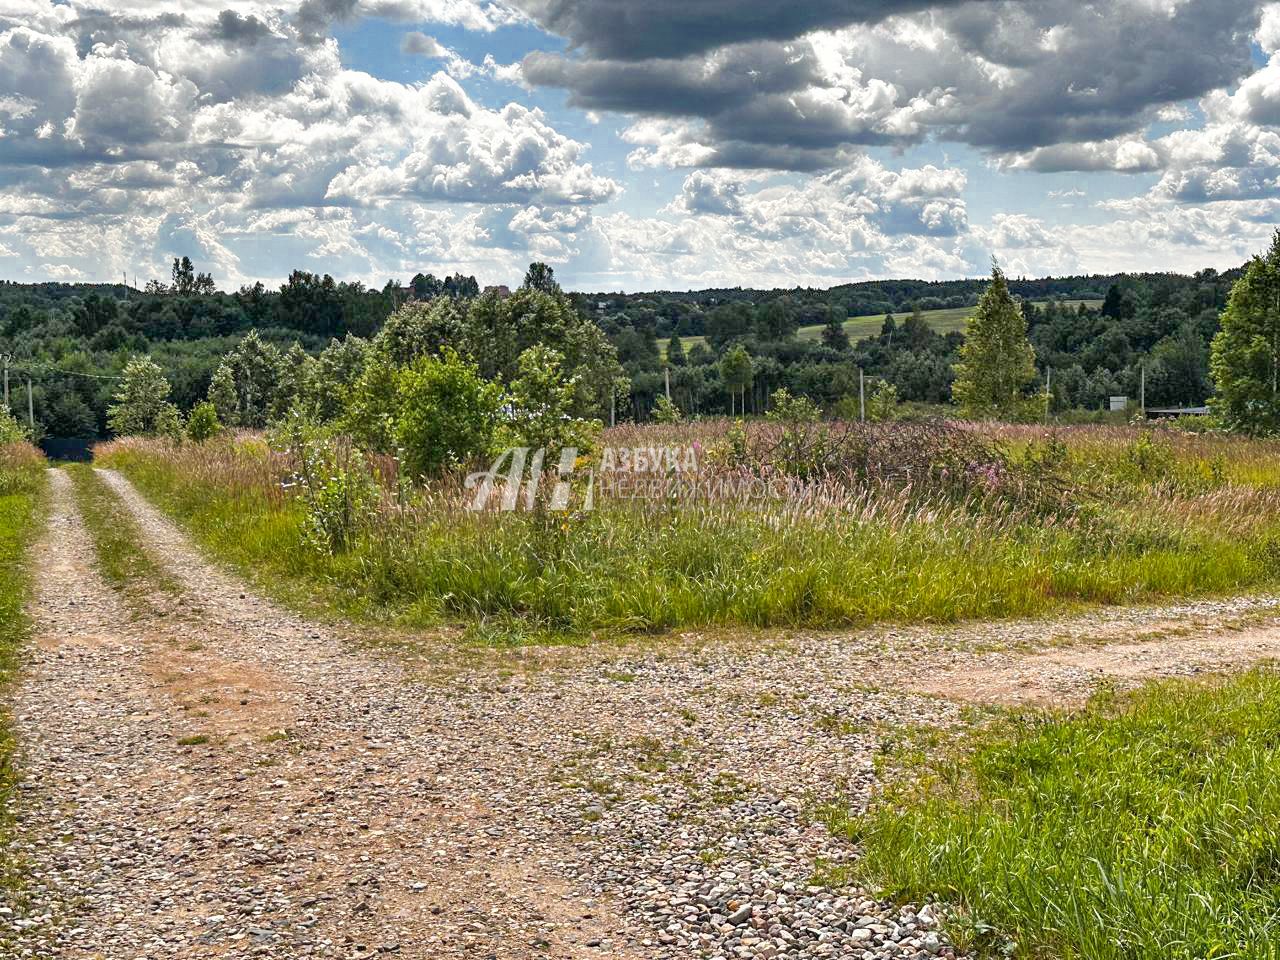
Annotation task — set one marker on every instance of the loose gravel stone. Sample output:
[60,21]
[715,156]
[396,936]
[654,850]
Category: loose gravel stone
[221,778]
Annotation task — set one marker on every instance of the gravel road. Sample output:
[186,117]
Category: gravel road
[209,775]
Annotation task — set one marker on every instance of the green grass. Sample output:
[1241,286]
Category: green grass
[942,321]
[21,507]
[117,540]
[518,578]
[1146,827]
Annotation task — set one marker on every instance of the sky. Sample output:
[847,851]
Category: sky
[635,144]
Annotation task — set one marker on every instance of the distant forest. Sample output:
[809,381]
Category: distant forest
[71,339]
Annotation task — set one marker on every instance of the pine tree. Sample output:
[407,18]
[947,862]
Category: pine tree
[1245,358]
[834,334]
[997,362]
[675,352]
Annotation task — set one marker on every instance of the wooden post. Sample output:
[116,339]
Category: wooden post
[1142,393]
[31,407]
[6,382]
[862,397]
[666,373]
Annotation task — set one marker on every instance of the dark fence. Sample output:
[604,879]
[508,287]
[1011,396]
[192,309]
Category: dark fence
[68,448]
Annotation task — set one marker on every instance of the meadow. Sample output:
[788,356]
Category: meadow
[950,320]
[800,525]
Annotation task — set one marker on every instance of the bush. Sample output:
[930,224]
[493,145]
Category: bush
[203,423]
[447,413]
[883,404]
[11,431]
[333,481]
[665,411]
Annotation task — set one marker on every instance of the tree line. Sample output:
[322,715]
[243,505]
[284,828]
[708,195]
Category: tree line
[256,352]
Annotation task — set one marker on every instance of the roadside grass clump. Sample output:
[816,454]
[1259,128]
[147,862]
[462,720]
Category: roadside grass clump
[117,541]
[21,503]
[1147,825]
[789,523]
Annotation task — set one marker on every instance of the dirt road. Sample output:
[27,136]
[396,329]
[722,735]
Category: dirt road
[211,776]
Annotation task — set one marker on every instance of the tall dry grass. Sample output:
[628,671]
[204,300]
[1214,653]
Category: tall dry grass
[986,522]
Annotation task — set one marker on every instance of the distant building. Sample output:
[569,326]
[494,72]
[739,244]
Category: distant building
[501,290]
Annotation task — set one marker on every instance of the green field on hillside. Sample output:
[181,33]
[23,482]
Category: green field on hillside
[858,328]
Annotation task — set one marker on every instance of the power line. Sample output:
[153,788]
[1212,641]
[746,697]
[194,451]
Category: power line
[46,370]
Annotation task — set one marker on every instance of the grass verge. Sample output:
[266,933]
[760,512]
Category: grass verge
[21,504]
[1145,826]
[117,540]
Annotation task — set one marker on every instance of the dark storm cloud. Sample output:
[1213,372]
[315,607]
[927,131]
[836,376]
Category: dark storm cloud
[1003,75]
[233,29]
[643,29]
[1118,62]
[688,87]
[315,17]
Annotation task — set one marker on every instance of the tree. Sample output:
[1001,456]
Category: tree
[916,331]
[184,277]
[888,329]
[541,401]
[776,320]
[329,380]
[255,367]
[997,361]
[425,287]
[541,277]
[834,334]
[675,351]
[447,413]
[222,396]
[1245,355]
[141,404]
[203,423]
[735,371]
[294,372]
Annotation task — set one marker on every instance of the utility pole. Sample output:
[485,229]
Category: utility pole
[6,381]
[1142,393]
[1048,392]
[862,397]
[31,407]
[666,372]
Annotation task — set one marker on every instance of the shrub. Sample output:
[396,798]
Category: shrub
[203,423]
[11,431]
[334,482]
[447,413]
[883,403]
[665,411]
